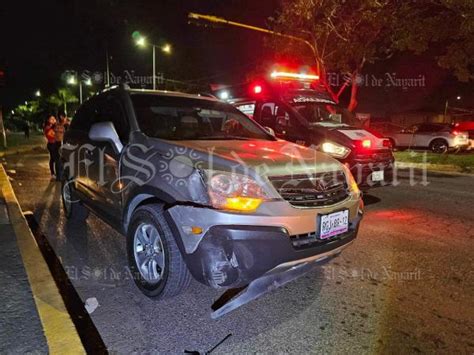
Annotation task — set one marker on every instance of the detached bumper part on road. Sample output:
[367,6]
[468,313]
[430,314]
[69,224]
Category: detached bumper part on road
[260,256]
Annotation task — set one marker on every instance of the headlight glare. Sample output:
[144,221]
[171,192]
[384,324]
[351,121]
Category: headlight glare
[335,150]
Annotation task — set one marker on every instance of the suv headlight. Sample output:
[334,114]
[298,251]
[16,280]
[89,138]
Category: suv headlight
[234,192]
[335,150]
[351,182]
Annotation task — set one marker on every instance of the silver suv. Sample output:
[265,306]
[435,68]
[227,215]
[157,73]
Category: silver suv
[201,190]
[437,137]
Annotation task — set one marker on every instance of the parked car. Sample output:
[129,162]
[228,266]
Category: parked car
[437,137]
[467,126]
[201,190]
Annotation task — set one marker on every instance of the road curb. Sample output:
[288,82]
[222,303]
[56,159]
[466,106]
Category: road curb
[58,327]
[14,151]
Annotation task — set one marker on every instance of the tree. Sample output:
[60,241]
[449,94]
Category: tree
[347,34]
[61,98]
[445,25]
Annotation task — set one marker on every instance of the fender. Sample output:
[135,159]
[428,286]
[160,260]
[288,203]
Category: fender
[140,194]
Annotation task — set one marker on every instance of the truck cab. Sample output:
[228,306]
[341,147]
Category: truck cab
[300,110]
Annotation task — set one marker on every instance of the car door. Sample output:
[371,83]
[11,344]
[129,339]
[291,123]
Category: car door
[425,134]
[106,171]
[79,150]
[405,138]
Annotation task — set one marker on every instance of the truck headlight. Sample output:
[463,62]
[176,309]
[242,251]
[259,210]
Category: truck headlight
[234,192]
[335,150]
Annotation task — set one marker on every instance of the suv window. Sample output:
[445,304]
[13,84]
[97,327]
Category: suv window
[82,120]
[110,109]
[183,118]
[430,127]
[274,116]
[102,109]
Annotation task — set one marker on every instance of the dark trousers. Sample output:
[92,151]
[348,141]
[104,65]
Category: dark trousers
[54,159]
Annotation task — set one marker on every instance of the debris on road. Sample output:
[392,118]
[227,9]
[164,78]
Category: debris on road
[91,305]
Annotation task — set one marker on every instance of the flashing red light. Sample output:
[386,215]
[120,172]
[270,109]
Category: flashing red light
[257,89]
[366,143]
[289,75]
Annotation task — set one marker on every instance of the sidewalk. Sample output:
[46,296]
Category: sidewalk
[21,329]
[33,317]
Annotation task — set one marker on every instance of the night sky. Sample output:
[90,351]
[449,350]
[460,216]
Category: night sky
[42,39]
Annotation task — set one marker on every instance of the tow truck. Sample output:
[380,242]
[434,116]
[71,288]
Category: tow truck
[296,107]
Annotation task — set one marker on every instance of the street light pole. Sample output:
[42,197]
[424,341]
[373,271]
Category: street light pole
[154,67]
[107,72]
[80,92]
[220,20]
[142,42]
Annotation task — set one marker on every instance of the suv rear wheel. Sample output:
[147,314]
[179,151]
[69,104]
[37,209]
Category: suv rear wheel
[156,263]
[73,208]
[439,146]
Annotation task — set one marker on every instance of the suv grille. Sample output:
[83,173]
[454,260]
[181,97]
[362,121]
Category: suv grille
[317,190]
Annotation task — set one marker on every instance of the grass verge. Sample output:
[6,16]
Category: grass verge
[17,142]
[463,162]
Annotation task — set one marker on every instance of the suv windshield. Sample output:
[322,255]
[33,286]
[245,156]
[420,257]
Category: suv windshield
[326,115]
[182,118]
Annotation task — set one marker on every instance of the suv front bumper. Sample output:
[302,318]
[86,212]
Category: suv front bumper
[235,249]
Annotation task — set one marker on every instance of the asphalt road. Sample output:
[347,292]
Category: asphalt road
[405,285]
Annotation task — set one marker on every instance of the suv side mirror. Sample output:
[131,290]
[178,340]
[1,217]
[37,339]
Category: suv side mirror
[270,131]
[105,132]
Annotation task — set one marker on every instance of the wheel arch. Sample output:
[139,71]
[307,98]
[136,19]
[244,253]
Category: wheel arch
[438,138]
[143,196]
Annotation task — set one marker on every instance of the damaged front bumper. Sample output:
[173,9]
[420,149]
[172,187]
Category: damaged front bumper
[235,249]
[257,252]
[271,280]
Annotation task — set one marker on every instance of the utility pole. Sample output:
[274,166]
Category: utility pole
[219,20]
[2,127]
[2,130]
[107,70]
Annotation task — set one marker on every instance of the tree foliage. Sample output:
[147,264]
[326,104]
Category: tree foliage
[61,99]
[348,34]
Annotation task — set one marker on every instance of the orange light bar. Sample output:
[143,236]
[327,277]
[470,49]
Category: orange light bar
[299,76]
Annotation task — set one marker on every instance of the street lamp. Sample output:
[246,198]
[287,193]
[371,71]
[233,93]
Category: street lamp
[447,104]
[141,41]
[38,93]
[72,80]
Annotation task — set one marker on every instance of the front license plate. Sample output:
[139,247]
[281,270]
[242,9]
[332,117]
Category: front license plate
[334,224]
[378,175]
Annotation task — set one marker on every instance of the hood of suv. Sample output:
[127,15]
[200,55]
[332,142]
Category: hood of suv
[278,157]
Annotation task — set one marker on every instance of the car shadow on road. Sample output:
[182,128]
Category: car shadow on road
[370,199]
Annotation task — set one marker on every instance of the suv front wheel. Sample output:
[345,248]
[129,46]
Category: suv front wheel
[156,263]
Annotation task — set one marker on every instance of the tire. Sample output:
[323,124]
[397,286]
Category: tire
[72,207]
[149,237]
[439,146]
[392,142]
